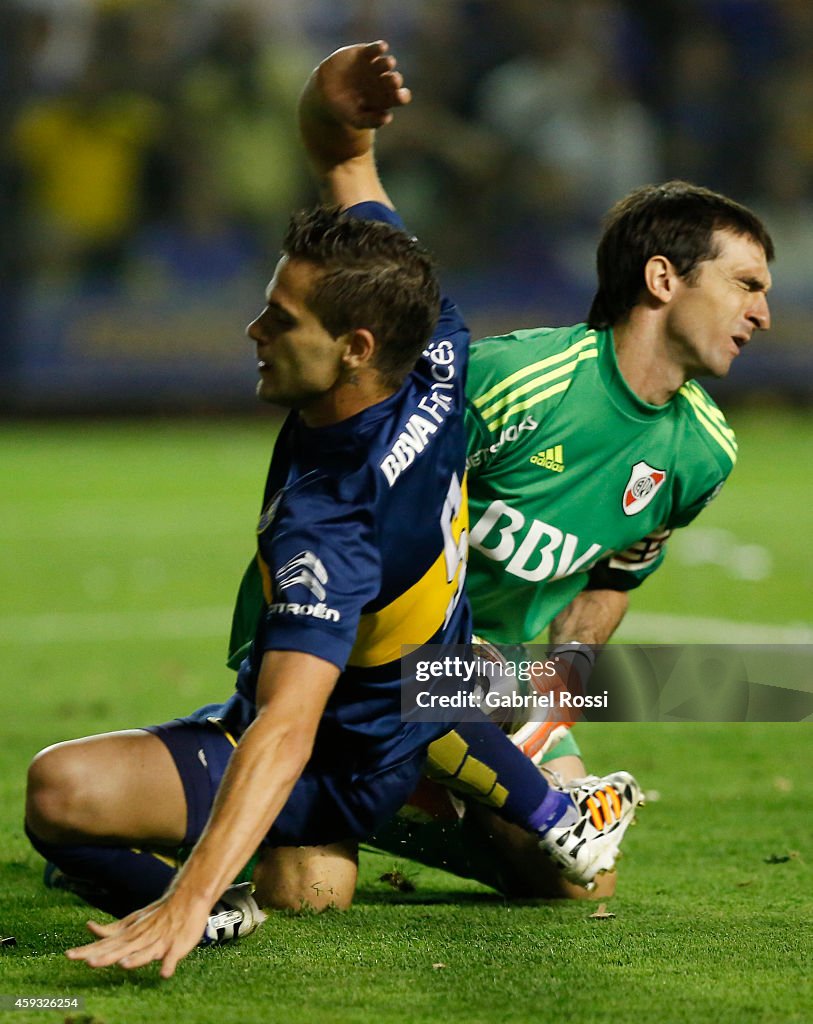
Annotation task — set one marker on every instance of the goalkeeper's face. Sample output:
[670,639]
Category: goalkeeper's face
[715,310]
[299,362]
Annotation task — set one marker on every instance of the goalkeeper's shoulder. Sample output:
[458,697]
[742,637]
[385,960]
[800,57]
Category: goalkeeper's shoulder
[707,424]
[497,359]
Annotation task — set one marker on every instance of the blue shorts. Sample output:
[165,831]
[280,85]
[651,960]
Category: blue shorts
[324,807]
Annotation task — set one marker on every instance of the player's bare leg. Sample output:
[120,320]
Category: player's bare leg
[482,845]
[107,813]
[565,768]
[120,786]
[526,872]
[307,877]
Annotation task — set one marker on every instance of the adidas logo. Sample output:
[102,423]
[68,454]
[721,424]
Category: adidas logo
[550,458]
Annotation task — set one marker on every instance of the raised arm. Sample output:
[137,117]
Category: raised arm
[347,97]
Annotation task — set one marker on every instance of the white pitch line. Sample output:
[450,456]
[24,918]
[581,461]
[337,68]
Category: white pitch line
[192,623]
[97,627]
[698,629]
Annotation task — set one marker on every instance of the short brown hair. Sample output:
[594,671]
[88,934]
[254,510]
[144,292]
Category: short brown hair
[374,276]
[675,220]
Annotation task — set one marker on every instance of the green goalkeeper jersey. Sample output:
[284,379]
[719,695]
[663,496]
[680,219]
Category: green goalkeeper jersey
[573,480]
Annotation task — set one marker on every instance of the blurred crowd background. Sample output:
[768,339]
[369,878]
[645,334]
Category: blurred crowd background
[150,164]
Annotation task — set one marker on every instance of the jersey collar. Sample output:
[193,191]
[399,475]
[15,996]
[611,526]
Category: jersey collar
[338,435]
[621,394]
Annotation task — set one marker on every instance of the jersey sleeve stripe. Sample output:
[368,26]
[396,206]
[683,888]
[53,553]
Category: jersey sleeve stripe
[531,368]
[532,385]
[536,399]
[723,436]
[714,414]
[714,411]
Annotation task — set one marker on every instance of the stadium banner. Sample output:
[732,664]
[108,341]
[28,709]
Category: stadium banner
[626,683]
[107,351]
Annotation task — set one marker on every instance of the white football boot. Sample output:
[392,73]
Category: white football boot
[585,841]
[235,915]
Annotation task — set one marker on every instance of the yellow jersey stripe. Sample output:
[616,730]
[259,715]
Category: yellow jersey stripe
[723,436]
[728,444]
[531,385]
[542,364]
[265,576]
[542,396]
[714,414]
[414,616]
[714,411]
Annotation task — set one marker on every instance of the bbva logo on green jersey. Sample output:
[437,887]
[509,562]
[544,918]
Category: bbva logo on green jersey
[545,552]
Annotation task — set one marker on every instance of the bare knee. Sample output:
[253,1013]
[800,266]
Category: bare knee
[57,792]
[307,877]
[118,786]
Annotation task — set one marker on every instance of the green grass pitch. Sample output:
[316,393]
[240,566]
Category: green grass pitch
[123,546]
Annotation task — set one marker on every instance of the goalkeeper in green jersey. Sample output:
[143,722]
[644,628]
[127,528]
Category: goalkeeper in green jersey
[588,446]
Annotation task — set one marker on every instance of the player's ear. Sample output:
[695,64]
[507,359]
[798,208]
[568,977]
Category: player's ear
[660,278]
[360,347]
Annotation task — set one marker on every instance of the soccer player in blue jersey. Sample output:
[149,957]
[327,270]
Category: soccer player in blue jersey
[361,544]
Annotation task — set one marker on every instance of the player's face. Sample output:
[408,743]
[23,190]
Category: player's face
[299,362]
[713,318]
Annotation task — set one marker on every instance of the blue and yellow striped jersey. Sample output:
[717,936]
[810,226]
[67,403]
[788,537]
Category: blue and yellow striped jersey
[362,544]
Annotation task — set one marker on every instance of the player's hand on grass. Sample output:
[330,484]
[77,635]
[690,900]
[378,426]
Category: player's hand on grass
[166,930]
[358,85]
